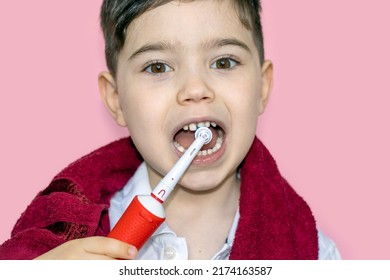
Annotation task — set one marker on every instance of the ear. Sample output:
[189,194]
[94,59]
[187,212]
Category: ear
[109,94]
[267,78]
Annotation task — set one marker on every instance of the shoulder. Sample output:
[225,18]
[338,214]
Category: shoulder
[103,171]
[327,248]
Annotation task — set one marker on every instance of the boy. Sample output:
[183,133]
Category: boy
[173,66]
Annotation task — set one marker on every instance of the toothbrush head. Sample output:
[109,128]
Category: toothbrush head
[205,133]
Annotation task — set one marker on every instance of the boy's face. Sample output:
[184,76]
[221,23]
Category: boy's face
[185,63]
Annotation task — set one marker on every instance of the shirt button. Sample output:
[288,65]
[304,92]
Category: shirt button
[169,253]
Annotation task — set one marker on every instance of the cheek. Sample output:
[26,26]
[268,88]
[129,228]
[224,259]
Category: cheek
[136,117]
[138,105]
[247,102]
[246,121]
[244,114]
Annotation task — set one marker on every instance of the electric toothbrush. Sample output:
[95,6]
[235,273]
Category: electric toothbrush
[146,213]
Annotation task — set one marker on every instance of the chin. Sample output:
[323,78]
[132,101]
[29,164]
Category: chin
[201,181]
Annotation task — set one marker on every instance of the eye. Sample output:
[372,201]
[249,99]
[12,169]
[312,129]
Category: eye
[158,68]
[224,63]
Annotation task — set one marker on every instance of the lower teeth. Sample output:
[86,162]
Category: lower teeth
[217,146]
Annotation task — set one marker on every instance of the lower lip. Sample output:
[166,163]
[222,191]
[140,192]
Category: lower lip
[208,159]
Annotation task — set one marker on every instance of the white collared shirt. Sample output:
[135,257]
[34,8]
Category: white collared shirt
[164,244]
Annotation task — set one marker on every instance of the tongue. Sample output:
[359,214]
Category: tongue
[186,137]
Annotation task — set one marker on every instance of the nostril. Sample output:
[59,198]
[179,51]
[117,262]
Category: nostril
[193,99]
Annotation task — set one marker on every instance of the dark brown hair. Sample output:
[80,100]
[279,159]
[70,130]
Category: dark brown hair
[116,15]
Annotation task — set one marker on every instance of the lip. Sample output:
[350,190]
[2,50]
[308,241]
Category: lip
[209,159]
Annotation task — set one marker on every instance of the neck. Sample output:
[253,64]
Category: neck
[203,218]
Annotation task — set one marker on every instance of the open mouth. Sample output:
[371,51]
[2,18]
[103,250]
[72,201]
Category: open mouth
[185,136]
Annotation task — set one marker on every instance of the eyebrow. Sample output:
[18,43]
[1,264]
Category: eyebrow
[221,42]
[159,46]
[212,44]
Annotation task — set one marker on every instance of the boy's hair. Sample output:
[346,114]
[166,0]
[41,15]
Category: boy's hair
[116,15]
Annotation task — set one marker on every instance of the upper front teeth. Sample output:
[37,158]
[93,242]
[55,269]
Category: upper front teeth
[194,126]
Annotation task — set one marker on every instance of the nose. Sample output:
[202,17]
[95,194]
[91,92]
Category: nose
[195,88]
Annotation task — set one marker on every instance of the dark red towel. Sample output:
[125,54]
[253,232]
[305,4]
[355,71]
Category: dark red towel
[275,223]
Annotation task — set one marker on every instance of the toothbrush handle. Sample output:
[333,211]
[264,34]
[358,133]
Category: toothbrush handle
[138,222]
[146,213]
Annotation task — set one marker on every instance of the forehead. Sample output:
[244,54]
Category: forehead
[187,23]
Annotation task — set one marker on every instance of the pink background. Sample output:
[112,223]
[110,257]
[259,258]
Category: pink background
[327,123]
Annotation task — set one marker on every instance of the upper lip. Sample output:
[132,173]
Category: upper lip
[188,121]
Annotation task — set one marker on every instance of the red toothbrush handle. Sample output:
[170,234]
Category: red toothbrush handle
[136,225]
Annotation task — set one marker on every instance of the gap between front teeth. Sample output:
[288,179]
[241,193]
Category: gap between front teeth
[217,146]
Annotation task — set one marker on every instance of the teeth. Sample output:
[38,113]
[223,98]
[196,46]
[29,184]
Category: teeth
[179,147]
[201,124]
[194,126]
[210,151]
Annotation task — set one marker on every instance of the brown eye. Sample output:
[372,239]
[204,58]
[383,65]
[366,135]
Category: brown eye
[224,63]
[158,68]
